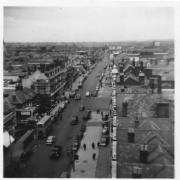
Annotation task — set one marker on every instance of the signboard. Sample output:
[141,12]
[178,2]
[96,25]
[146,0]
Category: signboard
[25,113]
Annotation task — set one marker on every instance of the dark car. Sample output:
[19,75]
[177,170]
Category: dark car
[26,156]
[82,107]
[54,155]
[87,115]
[72,94]
[94,94]
[83,128]
[56,152]
[74,120]
[57,148]
[77,97]
[75,146]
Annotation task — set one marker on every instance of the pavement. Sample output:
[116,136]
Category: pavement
[85,167]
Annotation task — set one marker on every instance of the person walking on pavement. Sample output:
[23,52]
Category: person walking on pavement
[84,146]
[98,144]
[94,156]
[93,145]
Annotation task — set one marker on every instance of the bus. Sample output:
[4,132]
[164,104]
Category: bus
[23,147]
[44,126]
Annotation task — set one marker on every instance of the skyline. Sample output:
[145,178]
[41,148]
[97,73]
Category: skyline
[87,24]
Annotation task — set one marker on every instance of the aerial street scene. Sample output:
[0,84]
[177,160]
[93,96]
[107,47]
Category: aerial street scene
[88,92]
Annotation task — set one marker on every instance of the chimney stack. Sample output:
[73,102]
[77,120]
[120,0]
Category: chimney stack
[143,153]
[122,78]
[131,135]
[124,109]
[141,78]
[137,172]
[136,122]
[141,65]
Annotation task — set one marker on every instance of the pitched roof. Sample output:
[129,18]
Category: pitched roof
[131,76]
[37,75]
[160,156]
[153,138]
[148,125]
[8,107]
[29,92]
[128,66]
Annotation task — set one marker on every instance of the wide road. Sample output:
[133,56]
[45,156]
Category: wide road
[40,165]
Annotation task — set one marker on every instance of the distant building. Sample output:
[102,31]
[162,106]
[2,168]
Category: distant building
[156,43]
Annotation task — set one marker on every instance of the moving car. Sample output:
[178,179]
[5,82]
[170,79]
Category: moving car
[50,140]
[74,120]
[54,155]
[57,148]
[56,152]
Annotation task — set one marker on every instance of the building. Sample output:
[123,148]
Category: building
[49,78]
[147,151]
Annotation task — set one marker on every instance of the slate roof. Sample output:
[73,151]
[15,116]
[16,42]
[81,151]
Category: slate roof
[157,133]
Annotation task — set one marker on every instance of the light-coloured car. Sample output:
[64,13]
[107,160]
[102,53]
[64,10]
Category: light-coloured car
[88,94]
[105,130]
[50,140]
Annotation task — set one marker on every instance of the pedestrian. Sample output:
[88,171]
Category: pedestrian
[84,146]
[94,156]
[101,113]
[93,145]
[98,144]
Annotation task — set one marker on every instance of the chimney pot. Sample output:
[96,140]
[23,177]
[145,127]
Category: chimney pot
[137,172]
[131,135]
[143,153]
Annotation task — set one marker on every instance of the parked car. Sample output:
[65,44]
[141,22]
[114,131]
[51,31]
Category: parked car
[50,140]
[82,107]
[72,94]
[104,141]
[77,97]
[75,146]
[80,85]
[98,75]
[94,94]
[87,115]
[74,120]
[105,130]
[83,128]
[88,94]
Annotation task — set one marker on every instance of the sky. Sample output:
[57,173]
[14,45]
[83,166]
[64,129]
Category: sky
[72,24]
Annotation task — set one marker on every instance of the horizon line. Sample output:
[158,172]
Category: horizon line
[88,41]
